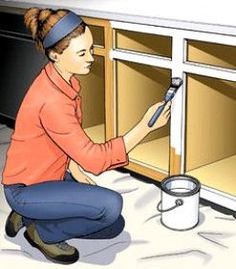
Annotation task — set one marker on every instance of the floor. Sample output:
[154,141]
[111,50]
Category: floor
[144,243]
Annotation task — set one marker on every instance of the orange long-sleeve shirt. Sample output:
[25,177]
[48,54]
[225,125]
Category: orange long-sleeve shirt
[48,134]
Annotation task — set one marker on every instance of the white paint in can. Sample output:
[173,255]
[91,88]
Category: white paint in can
[180,202]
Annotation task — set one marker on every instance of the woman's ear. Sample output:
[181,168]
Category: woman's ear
[53,56]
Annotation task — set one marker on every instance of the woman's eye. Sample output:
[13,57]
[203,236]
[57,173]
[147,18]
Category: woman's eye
[82,54]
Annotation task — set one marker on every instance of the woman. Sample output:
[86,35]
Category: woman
[48,142]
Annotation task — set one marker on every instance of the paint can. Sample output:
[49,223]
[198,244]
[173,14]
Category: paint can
[179,205]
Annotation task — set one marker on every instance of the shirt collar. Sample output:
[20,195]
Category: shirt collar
[72,91]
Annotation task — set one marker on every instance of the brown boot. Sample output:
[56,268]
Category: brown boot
[58,252]
[13,224]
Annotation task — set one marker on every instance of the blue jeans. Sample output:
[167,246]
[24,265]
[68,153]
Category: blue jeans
[66,209]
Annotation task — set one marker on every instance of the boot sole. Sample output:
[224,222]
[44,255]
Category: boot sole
[59,259]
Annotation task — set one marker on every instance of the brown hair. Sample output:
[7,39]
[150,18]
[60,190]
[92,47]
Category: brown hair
[40,22]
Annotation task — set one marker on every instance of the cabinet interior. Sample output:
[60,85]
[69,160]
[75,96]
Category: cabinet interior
[211,132]
[211,54]
[138,87]
[93,100]
[142,42]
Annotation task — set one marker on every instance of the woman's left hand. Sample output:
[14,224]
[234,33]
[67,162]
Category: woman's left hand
[79,175]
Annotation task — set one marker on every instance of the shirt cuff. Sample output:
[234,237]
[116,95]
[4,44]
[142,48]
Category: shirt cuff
[119,155]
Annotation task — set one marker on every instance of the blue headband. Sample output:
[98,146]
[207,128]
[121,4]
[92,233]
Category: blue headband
[61,29]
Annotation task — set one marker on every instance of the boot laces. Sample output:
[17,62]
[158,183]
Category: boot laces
[63,246]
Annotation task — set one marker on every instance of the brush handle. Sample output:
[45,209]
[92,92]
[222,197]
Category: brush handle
[156,115]
[175,84]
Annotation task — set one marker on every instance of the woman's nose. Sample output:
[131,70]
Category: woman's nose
[90,58]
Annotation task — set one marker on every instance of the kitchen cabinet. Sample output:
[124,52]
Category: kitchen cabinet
[200,138]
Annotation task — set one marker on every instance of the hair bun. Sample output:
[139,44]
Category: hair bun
[31,20]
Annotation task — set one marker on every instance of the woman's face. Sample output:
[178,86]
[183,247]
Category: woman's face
[77,58]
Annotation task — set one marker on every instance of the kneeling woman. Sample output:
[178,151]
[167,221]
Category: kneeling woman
[48,142]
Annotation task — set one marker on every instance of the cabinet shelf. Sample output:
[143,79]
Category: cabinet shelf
[96,133]
[218,175]
[154,154]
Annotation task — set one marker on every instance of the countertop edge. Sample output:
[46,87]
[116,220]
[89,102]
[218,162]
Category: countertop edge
[137,19]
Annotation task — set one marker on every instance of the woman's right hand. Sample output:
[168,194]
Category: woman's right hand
[163,118]
[139,131]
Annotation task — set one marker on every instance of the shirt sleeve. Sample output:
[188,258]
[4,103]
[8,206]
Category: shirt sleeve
[61,123]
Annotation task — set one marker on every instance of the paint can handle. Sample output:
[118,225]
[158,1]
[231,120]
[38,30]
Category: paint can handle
[178,202]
